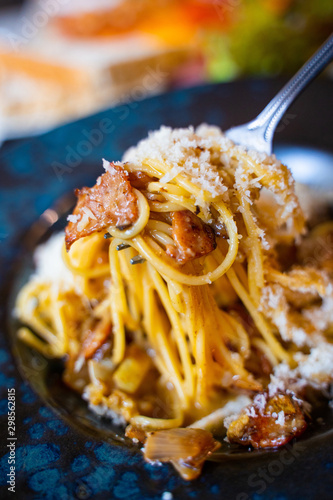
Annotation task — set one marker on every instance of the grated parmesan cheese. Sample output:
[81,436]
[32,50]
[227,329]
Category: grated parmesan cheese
[104,411]
[314,369]
[280,418]
[260,402]
[74,218]
[106,165]
[87,215]
[186,151]
[250,411]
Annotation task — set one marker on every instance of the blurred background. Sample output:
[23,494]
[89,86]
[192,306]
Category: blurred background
[63,59]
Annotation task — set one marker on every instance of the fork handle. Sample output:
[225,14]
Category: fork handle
[271,115]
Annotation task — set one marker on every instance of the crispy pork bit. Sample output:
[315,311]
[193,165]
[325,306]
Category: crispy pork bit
[193,237]
[135,433]
[95,338]
[139,179]
[123,405]
[186,448]
[111,202]
[268,423]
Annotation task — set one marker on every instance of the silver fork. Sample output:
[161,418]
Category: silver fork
[258,133]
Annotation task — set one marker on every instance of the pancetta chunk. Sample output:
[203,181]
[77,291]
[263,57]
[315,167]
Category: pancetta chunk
[193,238]
[269,422]
[111,202]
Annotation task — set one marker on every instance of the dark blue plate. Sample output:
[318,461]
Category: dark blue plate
[62,450]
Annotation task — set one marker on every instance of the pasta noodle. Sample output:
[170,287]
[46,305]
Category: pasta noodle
[176,315]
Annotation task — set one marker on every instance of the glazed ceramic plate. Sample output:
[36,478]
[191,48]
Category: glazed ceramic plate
[65,451]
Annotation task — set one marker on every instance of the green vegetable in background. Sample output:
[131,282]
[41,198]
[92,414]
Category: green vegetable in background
[265,37]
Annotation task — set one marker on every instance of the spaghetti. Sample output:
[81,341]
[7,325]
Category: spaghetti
[181,303]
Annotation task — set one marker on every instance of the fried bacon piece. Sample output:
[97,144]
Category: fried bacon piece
[186,448]
[111,202]
[95,338]
[268,423]
[139,179]
[135,433]
[122,404]
[193,237]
